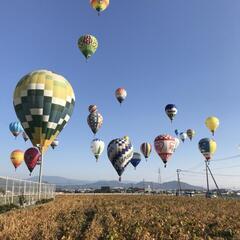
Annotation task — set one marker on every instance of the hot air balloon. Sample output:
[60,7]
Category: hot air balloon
[165,146]
[207,147]
[95,121]
[176,132]
[121,94]
[25,136]
[17,157]
[177,142]
[99,5]
[88,45]
[171,111]
[146,149]
[183,136]
[54,143]
[190,133]
[92,108]
[31,157]
[136,159]
[44,103]
[212,124]
[15,128]
[97,147]
[120,153]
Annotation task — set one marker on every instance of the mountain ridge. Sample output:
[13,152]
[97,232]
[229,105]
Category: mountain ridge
[68,183]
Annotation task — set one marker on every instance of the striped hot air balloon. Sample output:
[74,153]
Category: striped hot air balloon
[120,153]
[146,149]
[190,133]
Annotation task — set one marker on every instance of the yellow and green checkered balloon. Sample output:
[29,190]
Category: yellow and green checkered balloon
[44,103]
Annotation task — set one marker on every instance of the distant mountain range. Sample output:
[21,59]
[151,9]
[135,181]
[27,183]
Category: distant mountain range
[60,181]
[84,184]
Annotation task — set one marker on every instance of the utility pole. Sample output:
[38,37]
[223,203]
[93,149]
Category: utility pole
[206,163]
[214,181]
[159,176]
[179,183]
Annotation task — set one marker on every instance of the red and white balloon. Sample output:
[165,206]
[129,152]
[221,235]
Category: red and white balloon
[165,146]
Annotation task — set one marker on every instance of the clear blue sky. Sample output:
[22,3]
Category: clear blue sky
[182,52]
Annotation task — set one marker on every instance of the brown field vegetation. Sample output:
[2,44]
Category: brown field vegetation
[124,217]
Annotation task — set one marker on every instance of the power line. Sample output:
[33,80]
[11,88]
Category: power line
[234,166]
[202,173]
[226,158]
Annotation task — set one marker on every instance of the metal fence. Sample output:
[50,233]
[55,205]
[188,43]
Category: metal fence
[23,192]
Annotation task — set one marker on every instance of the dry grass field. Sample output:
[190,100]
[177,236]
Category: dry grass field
[124,217]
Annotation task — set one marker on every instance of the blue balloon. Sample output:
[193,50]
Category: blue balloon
[15,128]
[176,132]
[136,159]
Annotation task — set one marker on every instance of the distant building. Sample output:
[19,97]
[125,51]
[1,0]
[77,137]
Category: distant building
[105,189]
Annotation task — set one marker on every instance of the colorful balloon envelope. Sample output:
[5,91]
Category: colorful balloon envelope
[97,147]
[212,124]
[25,136]
[54,143]
[92,108]
[177,142]
[95,121]
[121,94]
[171,111]
[207,147]
[15,128]
[146,149]
[44,103]
[176,132]
[99,5]
[183,136]
[190,133]
[136,159]
[165,146]
[31,157]
[120,153]
[88,45]
[17,157]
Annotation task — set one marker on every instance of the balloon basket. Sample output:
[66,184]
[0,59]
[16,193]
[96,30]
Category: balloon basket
[119,179]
